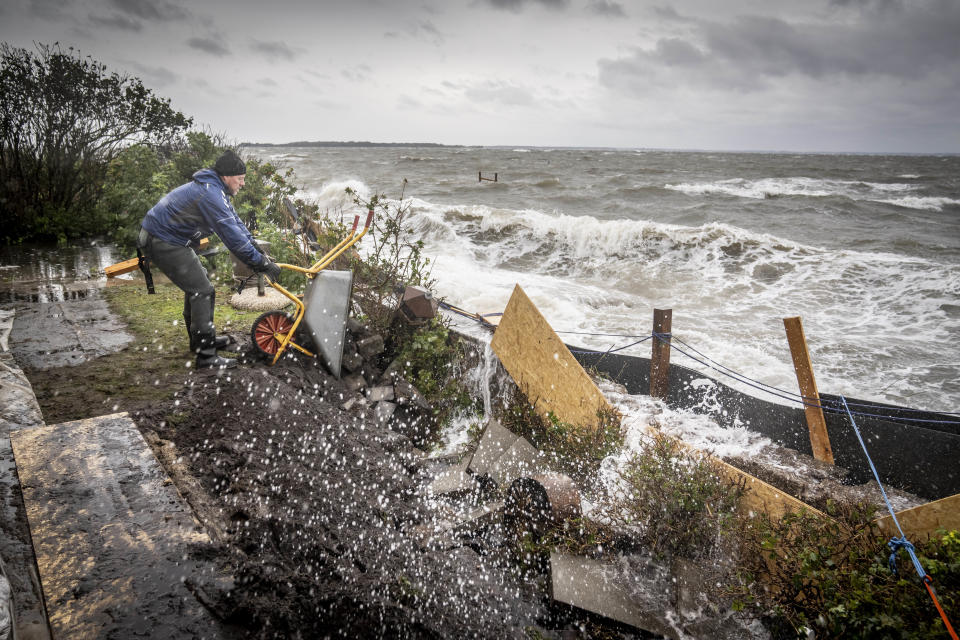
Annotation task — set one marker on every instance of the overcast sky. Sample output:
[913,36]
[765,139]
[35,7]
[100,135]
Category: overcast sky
[804,75]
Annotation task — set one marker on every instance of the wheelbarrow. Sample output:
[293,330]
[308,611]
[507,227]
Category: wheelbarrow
[322,311]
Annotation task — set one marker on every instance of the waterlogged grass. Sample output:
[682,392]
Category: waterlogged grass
[149,369]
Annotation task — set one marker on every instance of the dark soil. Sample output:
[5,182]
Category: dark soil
[319,515]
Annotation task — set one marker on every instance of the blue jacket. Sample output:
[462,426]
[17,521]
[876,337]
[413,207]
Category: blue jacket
[198,209]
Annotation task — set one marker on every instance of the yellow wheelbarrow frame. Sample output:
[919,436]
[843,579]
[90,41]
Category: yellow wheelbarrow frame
[264,341]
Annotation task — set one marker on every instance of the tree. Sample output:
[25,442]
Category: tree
[63,117]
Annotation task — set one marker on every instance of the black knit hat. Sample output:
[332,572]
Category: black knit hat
[230,164]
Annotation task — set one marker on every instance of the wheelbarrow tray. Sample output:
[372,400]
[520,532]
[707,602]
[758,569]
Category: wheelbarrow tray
[326,302]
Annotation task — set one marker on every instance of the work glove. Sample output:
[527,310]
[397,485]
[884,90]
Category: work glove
[270,268]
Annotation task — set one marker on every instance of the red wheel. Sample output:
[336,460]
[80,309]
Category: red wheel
[268,330]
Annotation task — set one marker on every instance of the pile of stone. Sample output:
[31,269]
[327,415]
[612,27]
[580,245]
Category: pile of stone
[396,401]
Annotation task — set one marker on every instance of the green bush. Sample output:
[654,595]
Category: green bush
[427,354]
[63,119]
[832,576]
[673,500]
[573,449]
[393,260]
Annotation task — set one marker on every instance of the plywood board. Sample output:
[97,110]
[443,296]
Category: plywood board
[543,367]
[923,521]
[112,535]
[765,498]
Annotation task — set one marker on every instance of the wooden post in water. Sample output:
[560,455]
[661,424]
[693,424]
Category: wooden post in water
[660,356]
[816,423]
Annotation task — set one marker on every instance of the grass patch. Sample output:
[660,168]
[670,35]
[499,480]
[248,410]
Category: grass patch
[148,370]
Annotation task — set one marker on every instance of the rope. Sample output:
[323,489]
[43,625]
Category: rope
[710,363]
[896,543]
[611,349]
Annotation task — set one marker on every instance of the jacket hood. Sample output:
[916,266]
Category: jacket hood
[208,176]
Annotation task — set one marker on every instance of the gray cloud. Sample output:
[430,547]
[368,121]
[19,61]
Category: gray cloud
[749,51]
[154,76]
[360,73]
[158,10]
[117,21]
[607,8]
[519,5]
[423,30]
[500,92]
[209,45]
[48,9]
[274,50]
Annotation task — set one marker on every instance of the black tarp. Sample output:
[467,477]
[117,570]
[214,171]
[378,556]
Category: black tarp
[916,451]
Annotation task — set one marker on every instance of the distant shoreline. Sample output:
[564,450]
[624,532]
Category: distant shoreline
[334,143]
[367,144]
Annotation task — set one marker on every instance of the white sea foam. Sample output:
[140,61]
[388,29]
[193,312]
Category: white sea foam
[588,274]
[729,284]
[332,196]
[795,186]
[912,202]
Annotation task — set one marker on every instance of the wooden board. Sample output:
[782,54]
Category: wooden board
[121,268]
[765,498]
[923,521]
[133,264]
[113,537]
[543,367]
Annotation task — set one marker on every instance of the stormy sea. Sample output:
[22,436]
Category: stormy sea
[864,248]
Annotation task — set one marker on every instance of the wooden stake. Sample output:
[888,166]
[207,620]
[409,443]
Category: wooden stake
[660,357]
[816,423]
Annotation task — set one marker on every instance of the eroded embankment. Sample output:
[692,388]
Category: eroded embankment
[320,513]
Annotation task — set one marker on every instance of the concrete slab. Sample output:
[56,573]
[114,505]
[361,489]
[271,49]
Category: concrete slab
[593,585]
[494,442]
[58,334]
[521,460]
[18,403]
[18,409]
[112,535]
[455,480]
[6,326]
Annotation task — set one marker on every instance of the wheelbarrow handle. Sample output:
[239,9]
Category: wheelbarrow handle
[356,220]
[369,219]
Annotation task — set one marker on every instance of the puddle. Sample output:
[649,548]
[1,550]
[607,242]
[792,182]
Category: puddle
[38,273]
[61,319]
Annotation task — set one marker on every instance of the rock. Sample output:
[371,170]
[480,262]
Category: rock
[418,305]
[455,481]
[384,411]
[356,327]
[371,373]
[353,401]
[407,394]
[394,370]
[382,392]
[355,382]
[351,361]
[371,347]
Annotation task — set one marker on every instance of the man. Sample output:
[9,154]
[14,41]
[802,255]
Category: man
[173,228]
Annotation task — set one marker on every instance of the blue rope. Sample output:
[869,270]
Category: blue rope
[895,543]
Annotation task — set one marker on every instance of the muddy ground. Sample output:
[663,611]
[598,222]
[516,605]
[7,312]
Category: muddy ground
[320,515]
